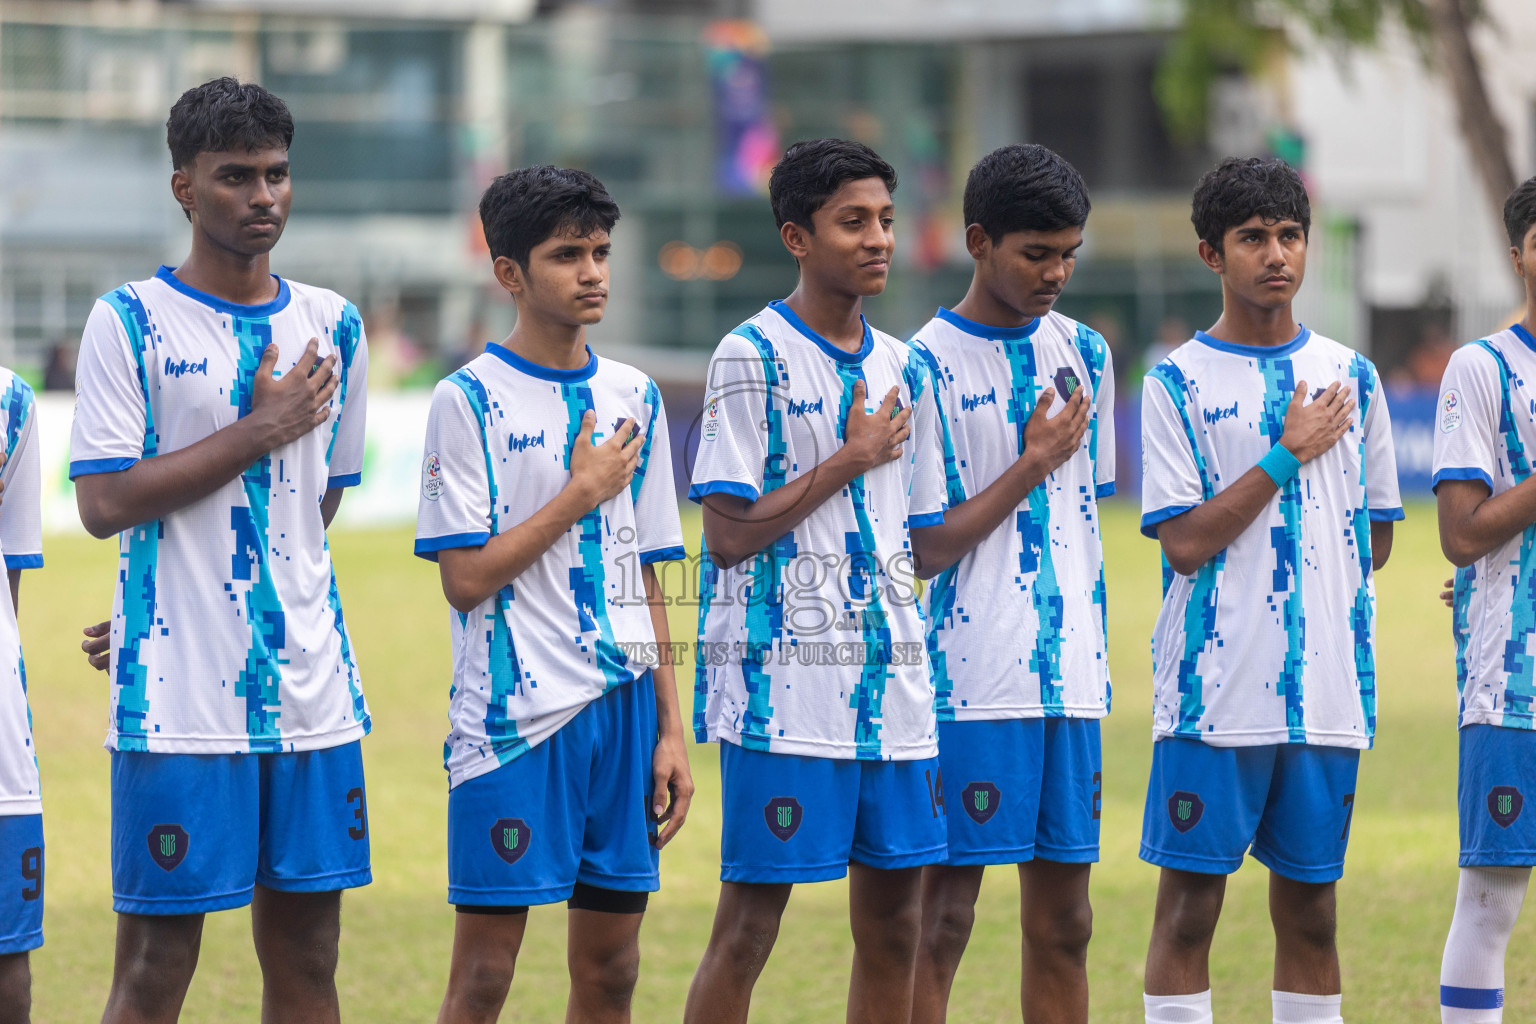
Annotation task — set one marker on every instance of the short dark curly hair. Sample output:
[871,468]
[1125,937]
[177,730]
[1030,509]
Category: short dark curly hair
[812,171]
[524,207]
[1024,187]
[224,115]
[1241,187]
[1520,212]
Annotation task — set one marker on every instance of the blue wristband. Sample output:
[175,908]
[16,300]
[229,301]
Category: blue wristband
[1280,465]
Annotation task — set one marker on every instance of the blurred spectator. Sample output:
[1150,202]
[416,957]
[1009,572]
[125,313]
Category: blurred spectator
[59,373]
[393,357]
[1107,323]
[1427,362]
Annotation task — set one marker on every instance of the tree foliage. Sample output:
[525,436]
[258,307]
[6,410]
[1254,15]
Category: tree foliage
[1217,37]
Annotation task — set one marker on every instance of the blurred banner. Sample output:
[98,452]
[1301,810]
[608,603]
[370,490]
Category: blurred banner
[746,141]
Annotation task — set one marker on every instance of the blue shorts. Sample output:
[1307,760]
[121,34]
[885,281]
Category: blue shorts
[790,818]
[193,833]
[575,808]
[1291,803]
[1498,771]
[21,893]
[1029,787]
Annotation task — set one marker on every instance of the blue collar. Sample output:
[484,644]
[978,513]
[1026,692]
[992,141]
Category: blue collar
[265,309]
[1256,351]
[779,307]
[1523,334]
[981,330]
[517,362]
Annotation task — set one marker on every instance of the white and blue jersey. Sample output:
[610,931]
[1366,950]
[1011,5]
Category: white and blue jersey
[1486,424]
[815,645]
[1016,628]
[575,624]
[227,629]
[21,541]
[1272,640]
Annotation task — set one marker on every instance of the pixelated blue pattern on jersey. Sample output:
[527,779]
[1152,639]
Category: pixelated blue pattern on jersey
[247,650]
[506,676]
[1300,666]
[864,586]
[1280,385]
[136,577]
[1017,627]
[588,580]
[1487,426]
[814,645]
[575,624]
[21,545]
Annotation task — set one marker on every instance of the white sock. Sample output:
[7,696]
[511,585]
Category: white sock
[1472,971]
[1296,1008]
[1194,1008]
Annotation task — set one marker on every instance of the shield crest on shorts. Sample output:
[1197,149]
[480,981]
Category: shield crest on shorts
[980,800]
[1504,805]
[1184,810]
[783,815]
[168,845]
[509,838]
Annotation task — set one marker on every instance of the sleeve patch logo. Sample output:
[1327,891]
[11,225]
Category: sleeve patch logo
[711,428]
[431,477]
[1450,411]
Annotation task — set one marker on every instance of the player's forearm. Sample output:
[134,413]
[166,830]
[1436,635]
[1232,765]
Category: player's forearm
[329,504]
[936,548]
[1381,543]
[14,577]
[669,715]
[155,487]
[1471,528]
[1191,539]
[736,529]
[470,575]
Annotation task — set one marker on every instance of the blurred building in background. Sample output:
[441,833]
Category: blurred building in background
[407,108]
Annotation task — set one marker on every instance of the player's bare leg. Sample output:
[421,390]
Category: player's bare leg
[885,910]
[1188,907]
[1305,918]
[1057,921]
[603,954]
[485,948]
[153,965]
[746,926]
[297,938]
[15,989]
[949,910]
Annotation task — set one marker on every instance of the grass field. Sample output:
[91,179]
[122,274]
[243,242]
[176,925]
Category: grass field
[1395,900]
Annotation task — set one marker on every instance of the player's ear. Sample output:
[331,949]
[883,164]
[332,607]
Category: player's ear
[181,189]
[977,242]
[1517,258]
[1211,258]
[509,274]
[796,239]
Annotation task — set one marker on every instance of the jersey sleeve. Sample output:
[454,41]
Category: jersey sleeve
[346,455]
[454,507]
[1467,418]
[111,422]
[1171,483]
[1383,501]
[21,514]
[658,526]
[1103,438]
[732,432]
[927,504]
